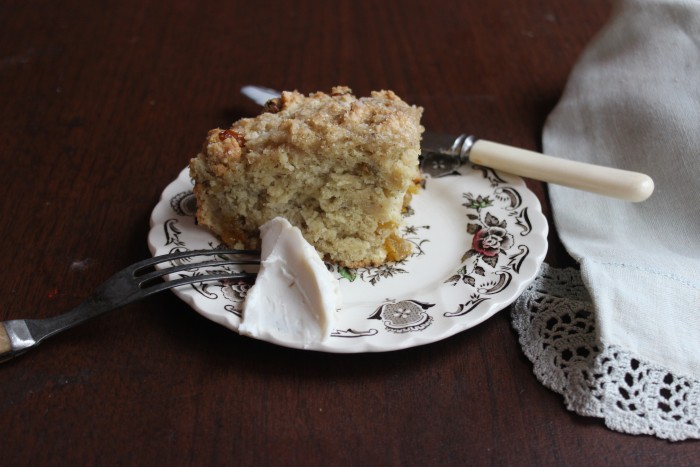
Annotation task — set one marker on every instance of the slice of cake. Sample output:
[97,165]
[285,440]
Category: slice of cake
[340,168]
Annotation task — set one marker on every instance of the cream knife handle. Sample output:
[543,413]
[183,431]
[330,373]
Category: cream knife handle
[629,186]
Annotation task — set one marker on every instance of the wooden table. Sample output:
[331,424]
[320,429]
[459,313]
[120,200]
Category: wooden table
[103,103]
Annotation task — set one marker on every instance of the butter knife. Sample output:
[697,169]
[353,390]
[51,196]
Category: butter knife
[444,154]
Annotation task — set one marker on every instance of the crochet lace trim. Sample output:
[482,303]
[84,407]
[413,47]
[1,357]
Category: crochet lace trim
[556,324]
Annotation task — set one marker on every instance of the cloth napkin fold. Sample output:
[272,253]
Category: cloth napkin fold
[621,338]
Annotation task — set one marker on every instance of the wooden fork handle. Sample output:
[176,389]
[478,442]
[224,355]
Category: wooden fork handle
[5,343]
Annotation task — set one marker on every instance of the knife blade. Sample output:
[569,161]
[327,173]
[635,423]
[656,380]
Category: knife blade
[443,154]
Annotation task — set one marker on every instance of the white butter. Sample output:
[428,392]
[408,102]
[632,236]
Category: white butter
[295,297]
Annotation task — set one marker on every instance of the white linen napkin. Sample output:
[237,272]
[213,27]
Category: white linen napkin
[621,340]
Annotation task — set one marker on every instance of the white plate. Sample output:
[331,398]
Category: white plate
[479,239]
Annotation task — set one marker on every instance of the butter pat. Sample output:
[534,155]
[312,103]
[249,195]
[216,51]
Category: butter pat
[295,297]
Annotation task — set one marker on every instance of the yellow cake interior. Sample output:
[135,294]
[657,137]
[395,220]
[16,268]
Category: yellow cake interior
[340,168]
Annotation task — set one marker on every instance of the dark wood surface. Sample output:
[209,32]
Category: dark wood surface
[103,103]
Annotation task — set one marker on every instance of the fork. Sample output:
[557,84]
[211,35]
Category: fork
[133,283]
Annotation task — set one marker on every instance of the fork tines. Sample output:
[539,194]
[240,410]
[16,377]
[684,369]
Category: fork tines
[183,261]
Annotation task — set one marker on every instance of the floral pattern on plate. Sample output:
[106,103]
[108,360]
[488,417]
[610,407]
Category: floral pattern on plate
[479,238]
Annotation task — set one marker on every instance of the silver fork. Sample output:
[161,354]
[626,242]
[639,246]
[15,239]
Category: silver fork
[129,285]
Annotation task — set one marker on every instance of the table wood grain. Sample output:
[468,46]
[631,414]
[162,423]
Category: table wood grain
[103,103]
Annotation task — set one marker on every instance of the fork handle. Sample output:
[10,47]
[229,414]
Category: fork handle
[15,338]
[5,343]
[617,183]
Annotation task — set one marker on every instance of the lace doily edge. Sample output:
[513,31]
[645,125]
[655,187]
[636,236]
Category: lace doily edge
[630,395]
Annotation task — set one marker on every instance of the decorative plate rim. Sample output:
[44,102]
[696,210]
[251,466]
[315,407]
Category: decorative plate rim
[503,245]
